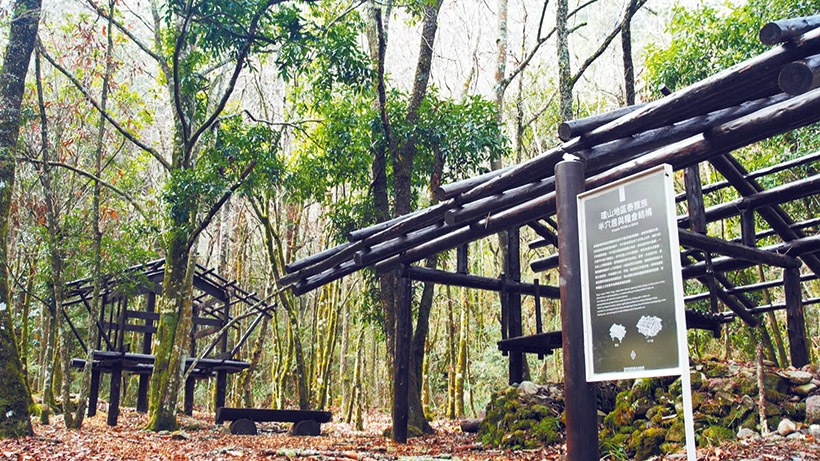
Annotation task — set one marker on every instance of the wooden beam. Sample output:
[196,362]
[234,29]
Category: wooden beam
[751,79]
[423,274]
[703,242]
[800,76]
[783,30]
[574,128]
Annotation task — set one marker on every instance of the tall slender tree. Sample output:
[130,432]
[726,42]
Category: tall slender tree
[14,405]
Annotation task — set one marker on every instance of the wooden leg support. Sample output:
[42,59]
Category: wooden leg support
[221,386]
[188,404]
[114,396]
[94,393]
[142,393]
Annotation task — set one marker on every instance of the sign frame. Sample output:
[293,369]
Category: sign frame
[676,280]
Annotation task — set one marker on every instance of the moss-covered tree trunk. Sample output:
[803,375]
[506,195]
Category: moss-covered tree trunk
[173,333]
[15,395]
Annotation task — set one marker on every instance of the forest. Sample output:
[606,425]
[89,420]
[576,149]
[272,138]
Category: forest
[170,170]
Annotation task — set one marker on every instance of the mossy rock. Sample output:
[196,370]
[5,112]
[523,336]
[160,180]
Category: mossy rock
[642,405]
[714,408]
[739,414]
[775,382]
[747,386]
[515,421]
[644,388]
[716,369]
[774,396]
[648,443]
[773,409]
[795,411]
[715,435]
[676,433]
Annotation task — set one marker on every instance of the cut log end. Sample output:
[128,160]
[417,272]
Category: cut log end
[306,427]
[470,425]
[771,34]
[797,78]
[565,131]
[243,427]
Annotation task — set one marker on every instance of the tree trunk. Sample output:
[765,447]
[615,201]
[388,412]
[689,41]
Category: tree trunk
[96,275]
[173,334]
[416,411]
[377,40]
[626,47]
[245,379]
[564,72]
[461,365]
[15,395]
[451,356]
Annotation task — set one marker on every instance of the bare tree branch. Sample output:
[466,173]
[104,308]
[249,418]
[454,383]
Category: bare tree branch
[92,177]
[503,84]
[144,47]
[124,131]
[605,44]
[216,206]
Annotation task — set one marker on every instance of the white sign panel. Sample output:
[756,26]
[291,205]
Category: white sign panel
[634,322]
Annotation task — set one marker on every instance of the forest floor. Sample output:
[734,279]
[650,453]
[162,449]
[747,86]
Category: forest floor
[201,439]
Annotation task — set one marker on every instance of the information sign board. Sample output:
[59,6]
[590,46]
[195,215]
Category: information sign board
[634,322]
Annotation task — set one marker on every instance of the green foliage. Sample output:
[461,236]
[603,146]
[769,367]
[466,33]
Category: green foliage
[709,38]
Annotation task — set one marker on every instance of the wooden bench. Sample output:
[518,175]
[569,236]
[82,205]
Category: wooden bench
[306,422]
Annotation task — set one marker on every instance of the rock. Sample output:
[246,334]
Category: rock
[180,435]
[786,427]
[775,382]
[642,405]
[796,436]
[814,431]
[528,388]
[307,427]
[805,389]
[746,433]
[798,377]
[813,409]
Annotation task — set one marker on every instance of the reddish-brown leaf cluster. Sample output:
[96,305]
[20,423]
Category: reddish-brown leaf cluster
[202,439]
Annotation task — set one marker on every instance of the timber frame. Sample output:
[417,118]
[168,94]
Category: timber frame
[129,303]
[754,100]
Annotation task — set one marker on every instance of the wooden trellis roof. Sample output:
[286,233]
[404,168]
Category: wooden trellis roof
[754,100]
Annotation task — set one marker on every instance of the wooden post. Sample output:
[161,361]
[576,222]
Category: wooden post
[798,349]
[188,403]
[401,377]
[694,199]
[516,364]
[94,392]
[747,227]
[222,375]
[462,258]
[579,395]
[114,394]
[145,379]
[539,328]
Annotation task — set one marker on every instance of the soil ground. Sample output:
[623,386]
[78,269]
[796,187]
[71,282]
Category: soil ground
[204,440]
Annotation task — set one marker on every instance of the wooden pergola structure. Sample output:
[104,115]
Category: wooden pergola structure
[768,95]
[129,305]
